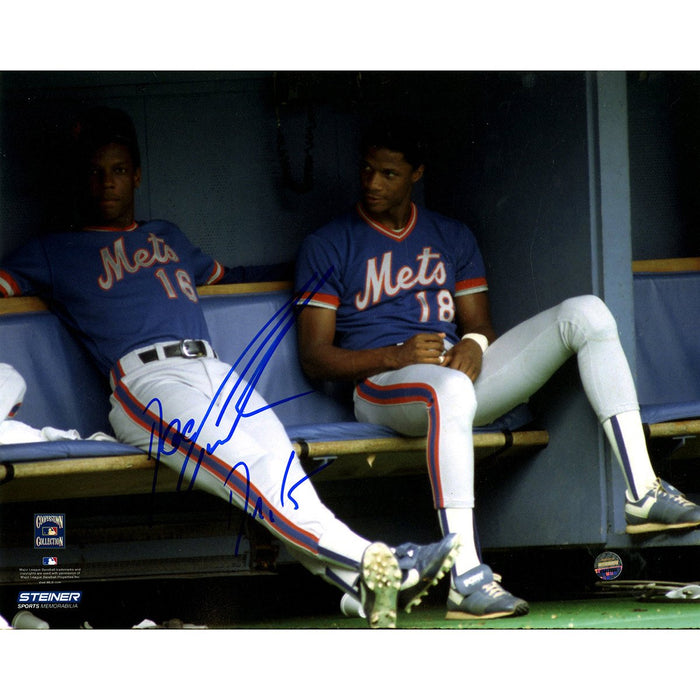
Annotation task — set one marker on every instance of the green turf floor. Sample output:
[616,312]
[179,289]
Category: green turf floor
[595,613]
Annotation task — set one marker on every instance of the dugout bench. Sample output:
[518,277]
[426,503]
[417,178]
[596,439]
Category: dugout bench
[126,517]
[65,391]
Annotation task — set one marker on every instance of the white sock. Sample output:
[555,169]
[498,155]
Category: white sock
[461,520]
[626,436]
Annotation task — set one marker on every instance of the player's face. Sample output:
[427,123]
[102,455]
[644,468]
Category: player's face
[112,181]
[387,181]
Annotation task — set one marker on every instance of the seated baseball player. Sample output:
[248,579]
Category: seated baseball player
[127,289]
[398,304]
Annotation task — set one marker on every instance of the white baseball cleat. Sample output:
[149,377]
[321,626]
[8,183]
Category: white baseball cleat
[380,579]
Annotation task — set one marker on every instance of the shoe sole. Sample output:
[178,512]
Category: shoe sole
[519,611]
[447,564]
[658,527]
[380,579]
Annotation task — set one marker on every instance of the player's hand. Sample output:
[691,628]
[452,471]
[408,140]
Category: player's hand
[466,357]
[422,348]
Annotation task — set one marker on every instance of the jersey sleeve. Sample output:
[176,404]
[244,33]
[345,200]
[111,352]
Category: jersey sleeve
[206,269]
[470,272]
[26,271]
[317,275]
[216,275]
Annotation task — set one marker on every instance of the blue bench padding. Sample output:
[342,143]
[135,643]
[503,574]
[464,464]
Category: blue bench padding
[64,449]
[664,412]
[66,391]
[667,315]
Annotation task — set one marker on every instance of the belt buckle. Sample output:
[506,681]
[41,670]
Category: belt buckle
[185,350]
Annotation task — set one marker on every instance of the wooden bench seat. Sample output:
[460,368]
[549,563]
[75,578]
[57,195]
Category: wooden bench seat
[123,475]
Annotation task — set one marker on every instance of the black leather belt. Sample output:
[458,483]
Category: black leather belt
[185,348]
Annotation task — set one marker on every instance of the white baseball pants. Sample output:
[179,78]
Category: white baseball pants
[443,404]
[199,419]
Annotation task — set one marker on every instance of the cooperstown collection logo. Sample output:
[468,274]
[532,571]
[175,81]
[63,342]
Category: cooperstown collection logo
[49,531]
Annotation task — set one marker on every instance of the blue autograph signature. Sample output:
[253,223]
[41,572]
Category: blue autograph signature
[167,439]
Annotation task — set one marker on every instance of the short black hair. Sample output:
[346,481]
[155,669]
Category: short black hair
[397,134]
[99,126]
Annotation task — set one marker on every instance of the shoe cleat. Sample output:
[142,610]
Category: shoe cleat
[380,579]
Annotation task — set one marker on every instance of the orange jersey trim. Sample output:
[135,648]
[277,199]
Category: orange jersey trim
[473,285]
[217,273]
[8,286]
[390,233]
[317,299]
[131,227]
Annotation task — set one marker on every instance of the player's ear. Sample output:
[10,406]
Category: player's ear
[417,174]
[137,178]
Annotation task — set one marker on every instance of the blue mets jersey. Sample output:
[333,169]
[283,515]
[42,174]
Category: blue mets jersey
[386,285]
[117,290]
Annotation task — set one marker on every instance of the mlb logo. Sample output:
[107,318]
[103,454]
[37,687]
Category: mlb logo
[49,531]
[50,561]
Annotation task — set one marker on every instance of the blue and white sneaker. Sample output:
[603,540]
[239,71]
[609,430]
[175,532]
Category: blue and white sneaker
[422,566]
[380,578]
[663,507]
[475,595]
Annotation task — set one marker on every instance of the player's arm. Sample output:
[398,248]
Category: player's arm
[472,315]
[26,271]
[322,360]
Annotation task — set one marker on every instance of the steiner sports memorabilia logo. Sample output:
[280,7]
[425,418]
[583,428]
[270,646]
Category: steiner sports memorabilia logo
[49,599]
[49,531]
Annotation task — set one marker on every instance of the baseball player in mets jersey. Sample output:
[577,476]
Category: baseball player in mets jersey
[127,289]
[401,309]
